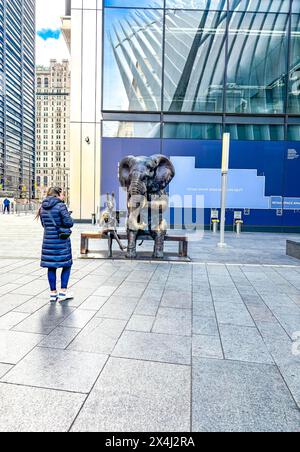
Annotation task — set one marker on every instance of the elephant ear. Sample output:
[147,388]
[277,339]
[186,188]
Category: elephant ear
[124,171]
[164,172]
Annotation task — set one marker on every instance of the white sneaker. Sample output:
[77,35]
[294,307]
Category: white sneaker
[64,297]
[53,298]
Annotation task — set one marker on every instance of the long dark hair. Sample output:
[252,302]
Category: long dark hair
[55,192]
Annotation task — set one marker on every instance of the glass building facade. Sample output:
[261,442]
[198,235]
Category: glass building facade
[179,73]
[193,56]
[17,97]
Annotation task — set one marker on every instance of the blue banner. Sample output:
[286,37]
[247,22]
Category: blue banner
[263,176]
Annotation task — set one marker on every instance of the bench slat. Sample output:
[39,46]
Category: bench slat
[169,238]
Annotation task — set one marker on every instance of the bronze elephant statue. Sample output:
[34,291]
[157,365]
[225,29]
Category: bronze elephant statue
[146,180]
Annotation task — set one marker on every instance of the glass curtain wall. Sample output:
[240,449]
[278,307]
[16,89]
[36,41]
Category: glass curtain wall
[202,56]
[294,70]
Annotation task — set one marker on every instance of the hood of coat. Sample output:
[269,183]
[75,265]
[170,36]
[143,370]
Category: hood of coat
[50,202]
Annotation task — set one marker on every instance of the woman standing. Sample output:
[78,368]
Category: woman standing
[57,250]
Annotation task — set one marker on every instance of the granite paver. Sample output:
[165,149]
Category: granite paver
[134,396]
[238,397]
[211,345]
[25,409]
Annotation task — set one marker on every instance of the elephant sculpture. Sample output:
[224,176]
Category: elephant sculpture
[146,180]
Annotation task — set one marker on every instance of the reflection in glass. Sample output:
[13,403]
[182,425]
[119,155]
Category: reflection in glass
[196,4]
[282,6]
[189,131]
[257,63]
[256,132]
[122,129]
[133,60]
[294,133]
[296,7]
[294,84]
[194,60]
[134,3]
[195,56]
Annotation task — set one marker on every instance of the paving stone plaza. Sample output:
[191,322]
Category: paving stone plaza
[144,347]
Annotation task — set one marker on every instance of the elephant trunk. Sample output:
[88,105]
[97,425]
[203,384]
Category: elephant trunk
[137,200]
[137,186]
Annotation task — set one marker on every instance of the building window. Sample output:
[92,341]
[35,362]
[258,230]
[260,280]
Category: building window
[294,82]
[136,3]
[133,60]
[257,63]
[192,4]
[256,132]
[294,133]
[194,61]
[113,129]
[189,131]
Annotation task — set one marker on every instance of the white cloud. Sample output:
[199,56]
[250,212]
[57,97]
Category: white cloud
[48,15]
[52,48]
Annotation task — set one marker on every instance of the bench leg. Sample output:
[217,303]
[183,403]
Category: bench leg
[180,251]
[183,249]
[84,245]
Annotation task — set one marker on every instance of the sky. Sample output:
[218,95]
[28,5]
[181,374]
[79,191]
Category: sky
[49,41]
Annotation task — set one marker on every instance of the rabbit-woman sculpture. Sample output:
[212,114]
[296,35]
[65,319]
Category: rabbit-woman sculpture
[108,224]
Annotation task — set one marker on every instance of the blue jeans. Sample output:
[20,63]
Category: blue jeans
[65,276]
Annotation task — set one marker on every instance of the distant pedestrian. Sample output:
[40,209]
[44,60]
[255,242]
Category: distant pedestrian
[6,206]
[57,251]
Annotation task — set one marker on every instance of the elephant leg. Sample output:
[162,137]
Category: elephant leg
[159,243]
[131,250]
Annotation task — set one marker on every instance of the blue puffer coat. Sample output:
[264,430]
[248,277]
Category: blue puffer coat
[56,253]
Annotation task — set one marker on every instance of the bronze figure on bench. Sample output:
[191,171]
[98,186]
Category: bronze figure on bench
[108,223]
[146,180]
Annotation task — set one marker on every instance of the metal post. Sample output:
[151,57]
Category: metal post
[215,226]
[239,225]
[225,167]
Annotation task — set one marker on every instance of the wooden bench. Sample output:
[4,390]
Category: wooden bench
[87,236]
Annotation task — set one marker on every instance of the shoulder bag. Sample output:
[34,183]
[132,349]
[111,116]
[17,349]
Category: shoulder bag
[63,233]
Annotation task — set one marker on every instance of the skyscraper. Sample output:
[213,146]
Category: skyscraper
[17,97]
[53,127]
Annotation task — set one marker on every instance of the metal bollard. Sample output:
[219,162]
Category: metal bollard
[239,227]
[215,225]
